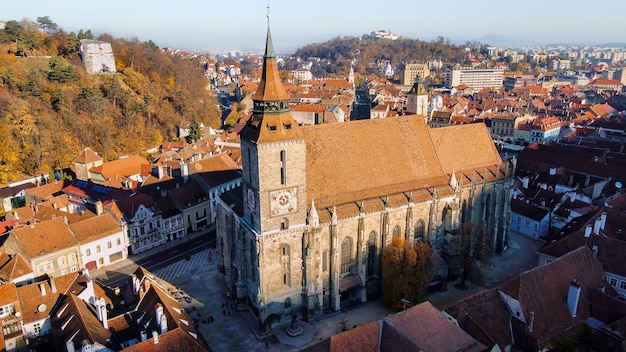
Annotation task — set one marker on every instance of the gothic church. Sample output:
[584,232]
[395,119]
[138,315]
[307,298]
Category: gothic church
[318,204]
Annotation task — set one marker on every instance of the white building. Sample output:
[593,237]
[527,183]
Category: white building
[301,75]
[101,241]
[476,78]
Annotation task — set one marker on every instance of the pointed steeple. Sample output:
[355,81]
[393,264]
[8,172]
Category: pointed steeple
[270,120]
[453,180]
[314,219]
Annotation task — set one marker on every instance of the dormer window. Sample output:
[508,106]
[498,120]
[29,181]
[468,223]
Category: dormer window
[287,126]
[272,128]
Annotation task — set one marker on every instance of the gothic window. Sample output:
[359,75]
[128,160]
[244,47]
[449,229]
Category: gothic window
[488,211]
[419,230]
[285,261]
[325,261]
[371,254]
[287,302]
[252,260]
[396,231]
[464,215]
[283,168]
[346,255]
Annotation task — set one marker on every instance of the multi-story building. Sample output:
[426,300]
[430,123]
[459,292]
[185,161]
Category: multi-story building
[477,78]
[305,232]
[102,241]
[410,71]
[143,220]
[301,75]
[546,129]
[49,247]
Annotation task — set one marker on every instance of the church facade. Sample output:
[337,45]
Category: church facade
[318,204]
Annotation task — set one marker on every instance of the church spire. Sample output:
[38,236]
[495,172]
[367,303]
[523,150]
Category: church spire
[270,120]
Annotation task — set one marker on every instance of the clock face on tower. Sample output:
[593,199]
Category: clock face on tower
[284,201]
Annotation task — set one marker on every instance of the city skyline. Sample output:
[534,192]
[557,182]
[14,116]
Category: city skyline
[202,26]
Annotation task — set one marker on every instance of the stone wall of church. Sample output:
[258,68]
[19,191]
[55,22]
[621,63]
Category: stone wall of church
[302,268]
[276,174]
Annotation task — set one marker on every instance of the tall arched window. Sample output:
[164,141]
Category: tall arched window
[252,260]
[346,255]
[396,231]
[419,230]
[464,215]
[285,261]
[371,254]
[283,168]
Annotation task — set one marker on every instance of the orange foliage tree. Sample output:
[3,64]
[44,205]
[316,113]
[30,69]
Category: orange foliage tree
[407,269]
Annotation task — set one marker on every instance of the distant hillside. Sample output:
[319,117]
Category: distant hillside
[50,108]
[339,52]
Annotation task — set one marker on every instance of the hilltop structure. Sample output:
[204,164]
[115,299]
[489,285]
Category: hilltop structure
[305,232]
[97,56]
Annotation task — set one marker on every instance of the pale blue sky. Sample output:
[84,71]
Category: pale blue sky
[211,25]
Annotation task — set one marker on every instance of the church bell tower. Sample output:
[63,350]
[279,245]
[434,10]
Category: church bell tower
[274,156]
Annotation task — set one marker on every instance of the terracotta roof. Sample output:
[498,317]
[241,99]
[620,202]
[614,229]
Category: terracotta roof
[188,194]
[45,238]
[426,326]
[217,170]
[123,167]
[87,156]
[76,320]
[95,228]
[544,291]
[403,154]
[364,338]
[464,147]
[270,88]
[12,267]
[264,128]
[37,304]
[8,295]
[130,205]
[46,191]
[483,315]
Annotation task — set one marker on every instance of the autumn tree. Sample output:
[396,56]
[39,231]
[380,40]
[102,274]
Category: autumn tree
[407,270]
[474,252]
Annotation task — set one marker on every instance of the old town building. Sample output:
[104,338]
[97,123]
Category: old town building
[305,232]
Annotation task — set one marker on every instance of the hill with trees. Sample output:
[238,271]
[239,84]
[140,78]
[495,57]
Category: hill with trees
[337,54]
[51,108]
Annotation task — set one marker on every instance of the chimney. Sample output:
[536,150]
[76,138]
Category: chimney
[596,226]
[160,171]
[158,312]
[573,297]
[65,219]
[53,286]
[603,220]
[531,323]
[525,181]
[155,337]
[101,307]
[163,324]
[99,208]
[144,336]
[588,230]
[69,345]
[42,288]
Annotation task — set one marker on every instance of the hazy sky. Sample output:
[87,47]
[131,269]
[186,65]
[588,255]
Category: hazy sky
[212,25]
